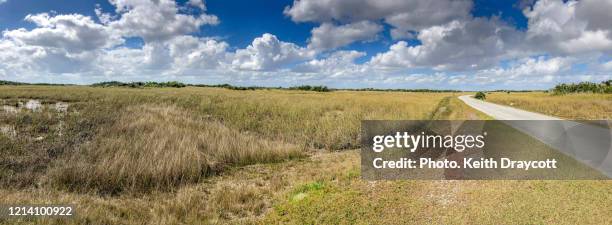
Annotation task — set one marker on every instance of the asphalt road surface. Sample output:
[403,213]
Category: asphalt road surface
[588,143]
[501,112]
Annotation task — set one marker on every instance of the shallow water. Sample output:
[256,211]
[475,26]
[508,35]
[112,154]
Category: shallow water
[10,109]
[61,107]
[36,106]
[33,105]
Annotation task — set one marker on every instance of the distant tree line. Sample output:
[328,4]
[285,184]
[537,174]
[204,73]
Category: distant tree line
[173,84]
[311,88]
[318,88]
[176,84]
[240,88]
[6,82]
[510,91]
[303,87]
[584,87]
[401,90]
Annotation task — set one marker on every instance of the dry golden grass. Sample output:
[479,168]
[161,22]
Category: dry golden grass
[159,147]
[328,120]
[140,140]
[239,196]
[570,106]
[324,188]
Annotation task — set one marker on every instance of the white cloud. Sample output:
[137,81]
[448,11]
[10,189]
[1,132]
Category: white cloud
[121,62]
[24,60]
[183,55]
[73,33]
[3,1]
[155,20]
[597,13]
[59,44]
[404,15]
[329,36]
[606,66]
[268,53]
[340,63]
[570,27]
[459,45]
[197,3]
[540,66]
[418,78]
[76,44]
[524,73]
[191,54]
[359,19]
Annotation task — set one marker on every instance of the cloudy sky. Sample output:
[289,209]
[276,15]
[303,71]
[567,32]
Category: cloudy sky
[458,44]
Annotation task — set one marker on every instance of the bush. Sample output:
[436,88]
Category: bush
[6,82]
[583,87]
[480,95]
[311,88]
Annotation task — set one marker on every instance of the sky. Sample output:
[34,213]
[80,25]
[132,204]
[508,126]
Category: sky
[443,44]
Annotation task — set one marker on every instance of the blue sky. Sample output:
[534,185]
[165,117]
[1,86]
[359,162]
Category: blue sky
[363,43]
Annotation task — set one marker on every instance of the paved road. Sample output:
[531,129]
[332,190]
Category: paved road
[587,143]
[501,112]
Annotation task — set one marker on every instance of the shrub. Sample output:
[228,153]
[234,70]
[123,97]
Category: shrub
[311,88]
[480,95]
[583,87]
[6,82]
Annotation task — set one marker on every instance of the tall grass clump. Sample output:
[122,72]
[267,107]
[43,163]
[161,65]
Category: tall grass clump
[158,148]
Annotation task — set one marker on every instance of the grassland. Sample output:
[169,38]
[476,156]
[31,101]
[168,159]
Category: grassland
[582,106]
[217,156]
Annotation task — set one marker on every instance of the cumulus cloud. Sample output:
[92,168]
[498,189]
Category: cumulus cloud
[531,71]
[154,20]
[329,36]
[532,66]
[197,3]
[606,66]
[405,15]
[182,55]
[458,45]
[74,43]
[24,60]
[340,63]
[72,32]
[197,53]
[58,44]
[267,53]
[453,40]
[570,27]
